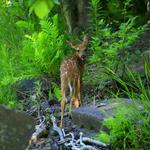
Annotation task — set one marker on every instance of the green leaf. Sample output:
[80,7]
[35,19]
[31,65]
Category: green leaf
[56,2]
[57,91]
[24,24]
[122,27]
[21,23]
[41,8]
[94,58]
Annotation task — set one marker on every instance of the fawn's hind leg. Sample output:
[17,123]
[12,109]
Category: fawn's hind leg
[71,96]
[63,102]
[79,90]
[75,95]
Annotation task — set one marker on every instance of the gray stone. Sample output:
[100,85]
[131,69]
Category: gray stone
[27,87]
[88,117]
[16,129]
[92,117]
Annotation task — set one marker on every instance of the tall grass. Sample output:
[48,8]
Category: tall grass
[129,129]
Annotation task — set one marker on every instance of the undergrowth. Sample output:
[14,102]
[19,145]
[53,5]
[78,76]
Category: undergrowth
[109,44]
[27,52]
[129,129]
[45,48]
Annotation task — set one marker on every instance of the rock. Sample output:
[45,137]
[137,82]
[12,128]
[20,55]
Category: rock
[16,129]
[27,87]
[88,117]
[92,117]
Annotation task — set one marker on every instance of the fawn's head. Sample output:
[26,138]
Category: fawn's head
[79,47]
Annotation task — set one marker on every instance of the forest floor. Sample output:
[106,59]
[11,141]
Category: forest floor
[47,138]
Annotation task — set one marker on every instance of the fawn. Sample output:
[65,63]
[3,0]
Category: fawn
[71,72]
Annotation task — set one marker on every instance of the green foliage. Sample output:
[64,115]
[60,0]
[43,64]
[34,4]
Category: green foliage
[41,7]
[56,92]
[8,96]
[38,89]
[27,49]
[120,11]
[24,25]
[115,9]
[8,18]
[108,43]
[10,39]
[104,137]
[42,52]
[130,127]
[44,48]
[132,85]
[95,14]
[106,46]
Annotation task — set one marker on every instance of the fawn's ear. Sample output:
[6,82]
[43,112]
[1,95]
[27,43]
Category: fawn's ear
[80,46]
[85,39]
[70,44]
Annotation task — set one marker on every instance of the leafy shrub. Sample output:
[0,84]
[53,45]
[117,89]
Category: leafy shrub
[8,96]
[129,129]
[43,50]
[56,92]
[107,45]
[27,49]
[10,39]
[95,14]
[8,18]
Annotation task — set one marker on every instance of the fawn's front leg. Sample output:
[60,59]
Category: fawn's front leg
[74,97]
[76,94]
[71,96]
[63,103]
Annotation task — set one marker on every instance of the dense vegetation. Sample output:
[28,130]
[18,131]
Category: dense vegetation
[33,36]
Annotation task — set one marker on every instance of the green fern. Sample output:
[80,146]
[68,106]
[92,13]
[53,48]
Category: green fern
[25,51]
[95,14]
[45,47]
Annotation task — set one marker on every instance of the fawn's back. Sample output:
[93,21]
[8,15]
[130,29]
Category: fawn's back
[71,69]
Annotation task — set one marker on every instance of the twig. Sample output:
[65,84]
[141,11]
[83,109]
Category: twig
[92,141]
[76,144]
[56,128]
[38,130]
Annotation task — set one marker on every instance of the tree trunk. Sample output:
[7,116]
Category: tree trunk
[75,15]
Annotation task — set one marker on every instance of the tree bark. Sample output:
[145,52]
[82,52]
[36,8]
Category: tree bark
[75,15]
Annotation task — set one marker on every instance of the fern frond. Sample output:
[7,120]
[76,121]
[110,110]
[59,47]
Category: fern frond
[95,14]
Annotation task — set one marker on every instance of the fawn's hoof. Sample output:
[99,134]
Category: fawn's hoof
[76,103]
[60,124]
